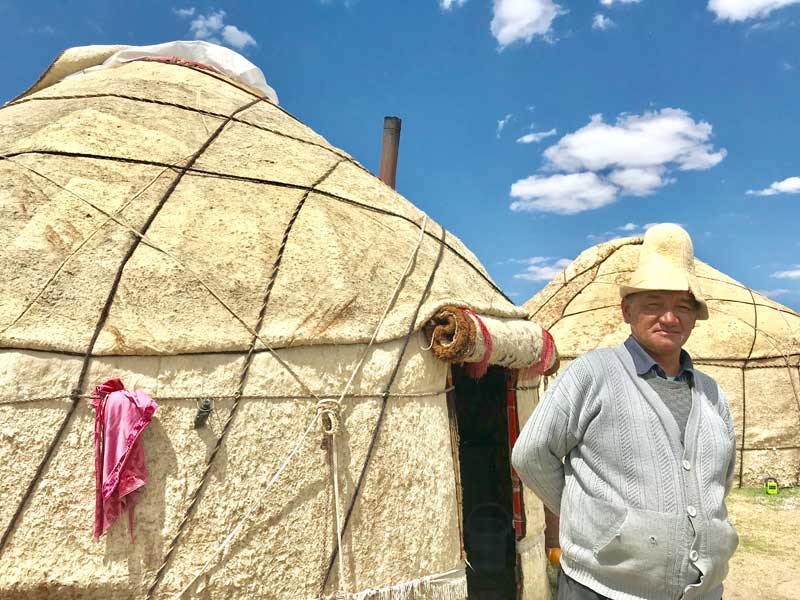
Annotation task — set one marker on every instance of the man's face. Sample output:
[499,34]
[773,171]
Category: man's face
[661,321]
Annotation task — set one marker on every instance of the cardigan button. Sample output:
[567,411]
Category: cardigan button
[687,466]
[693,556]
[691,510]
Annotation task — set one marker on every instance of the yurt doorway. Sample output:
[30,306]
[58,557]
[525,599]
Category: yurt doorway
[480,411]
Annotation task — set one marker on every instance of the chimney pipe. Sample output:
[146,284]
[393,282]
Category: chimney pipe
[389,150]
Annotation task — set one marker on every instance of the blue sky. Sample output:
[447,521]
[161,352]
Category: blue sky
[532,129]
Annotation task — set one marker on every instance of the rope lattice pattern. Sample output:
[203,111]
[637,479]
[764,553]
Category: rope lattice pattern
[140,236]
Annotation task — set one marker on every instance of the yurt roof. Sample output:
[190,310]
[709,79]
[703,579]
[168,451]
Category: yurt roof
[581,308]
[153,208]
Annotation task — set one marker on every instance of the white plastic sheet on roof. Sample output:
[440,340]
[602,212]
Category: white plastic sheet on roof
[223,59]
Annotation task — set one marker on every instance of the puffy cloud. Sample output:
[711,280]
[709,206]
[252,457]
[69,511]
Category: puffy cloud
[634,156]
[650,140]
[638,181]
[742,10]
[536,136]
[628,230]
[237,38]
[562,194]
[790,185]
[212,27]
[522,20]
[449,4]
[207,26]
[793,273]
[612,2]
[602,22]
[501,124]
[184,12]
[542,268]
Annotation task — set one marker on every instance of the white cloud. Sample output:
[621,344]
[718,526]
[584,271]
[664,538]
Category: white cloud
[790,274]
[212,27]
[651,140]
[638,181]
[741,10]
[449,4]
[536,136]
[501,124]
[774,293]
[634,156]
[236,37]
[206,26]
[542,268]
[629,230]
[602,22]
[791,185]
[562,194]
[45,29]
[184,12]
[522,20]
[612,2]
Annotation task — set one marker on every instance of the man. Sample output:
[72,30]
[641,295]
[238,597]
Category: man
[647,444]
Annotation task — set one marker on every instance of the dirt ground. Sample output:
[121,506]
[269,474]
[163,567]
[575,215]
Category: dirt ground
[766,565]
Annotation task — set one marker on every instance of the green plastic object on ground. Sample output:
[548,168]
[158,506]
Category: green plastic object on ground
[771,486]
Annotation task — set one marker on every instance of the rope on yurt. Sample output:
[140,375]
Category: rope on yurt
[384,403]
[250,510]
[744,427]
[328,411]
[101,322]
[256,180]
[240,389]
[85,241]
[185,107]
[744,384]
[140,236]
[11,401]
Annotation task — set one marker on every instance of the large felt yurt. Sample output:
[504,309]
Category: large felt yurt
[299,325]
[750,345]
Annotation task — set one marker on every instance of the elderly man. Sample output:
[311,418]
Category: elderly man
[647,445]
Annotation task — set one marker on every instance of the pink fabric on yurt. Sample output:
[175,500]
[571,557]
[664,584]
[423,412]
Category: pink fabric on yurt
[120,470]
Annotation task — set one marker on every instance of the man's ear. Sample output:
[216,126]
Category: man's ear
[625,306]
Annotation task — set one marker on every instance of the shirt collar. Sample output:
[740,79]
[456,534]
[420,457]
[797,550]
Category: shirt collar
[644,363]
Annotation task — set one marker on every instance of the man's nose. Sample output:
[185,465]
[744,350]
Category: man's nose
[669,318]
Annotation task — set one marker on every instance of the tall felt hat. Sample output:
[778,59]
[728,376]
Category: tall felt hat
[666,262]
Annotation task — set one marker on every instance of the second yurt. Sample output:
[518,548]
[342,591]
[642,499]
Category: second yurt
[750,345]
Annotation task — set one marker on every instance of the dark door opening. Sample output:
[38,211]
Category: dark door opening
[487,500]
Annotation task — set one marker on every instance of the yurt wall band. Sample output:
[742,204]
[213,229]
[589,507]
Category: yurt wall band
[169,226]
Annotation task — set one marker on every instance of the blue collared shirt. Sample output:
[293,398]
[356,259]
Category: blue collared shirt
[644,363]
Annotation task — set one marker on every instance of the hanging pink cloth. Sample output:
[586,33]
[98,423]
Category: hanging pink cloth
[120,472]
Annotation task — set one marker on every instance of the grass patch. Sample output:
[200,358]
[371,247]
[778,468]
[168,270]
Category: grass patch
[749,545]
[789,495]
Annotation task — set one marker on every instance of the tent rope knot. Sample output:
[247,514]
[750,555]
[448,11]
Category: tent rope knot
[328,413]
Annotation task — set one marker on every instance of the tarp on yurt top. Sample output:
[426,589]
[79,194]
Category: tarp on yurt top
[166,224]
[750,344]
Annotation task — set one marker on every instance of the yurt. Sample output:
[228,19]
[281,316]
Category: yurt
[750,345]
[316,383]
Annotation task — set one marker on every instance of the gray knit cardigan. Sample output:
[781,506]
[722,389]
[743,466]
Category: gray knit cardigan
[638,508]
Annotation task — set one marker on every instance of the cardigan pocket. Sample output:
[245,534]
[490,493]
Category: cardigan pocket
[722,543]
[638,553]
[593,522]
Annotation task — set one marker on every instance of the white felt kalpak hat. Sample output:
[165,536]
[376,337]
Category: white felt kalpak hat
[666,262]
